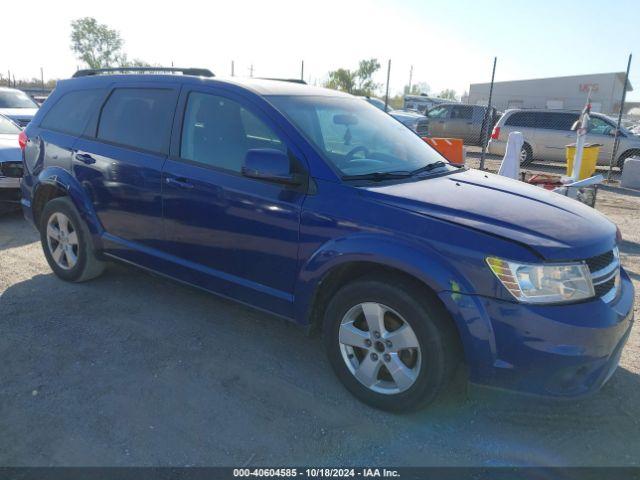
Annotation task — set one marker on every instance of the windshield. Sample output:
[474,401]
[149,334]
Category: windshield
[8,127]
[356,137]
[16,99]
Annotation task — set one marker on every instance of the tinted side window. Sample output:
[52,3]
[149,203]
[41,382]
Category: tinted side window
[139,118]
[218,132]
[556,121]
[72,111]
[462,113]
[521,119]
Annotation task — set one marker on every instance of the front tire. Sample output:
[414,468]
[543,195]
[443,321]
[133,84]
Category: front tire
[392,346]
[66,242]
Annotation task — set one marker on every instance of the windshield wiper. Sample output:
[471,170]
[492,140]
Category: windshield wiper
[379,176]
[429,167]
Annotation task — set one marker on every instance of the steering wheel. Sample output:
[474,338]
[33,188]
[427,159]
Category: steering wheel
[353,151]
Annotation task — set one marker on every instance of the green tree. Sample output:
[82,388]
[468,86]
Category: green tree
[96,44]
[356,82]
[417,89]
[448,94]
[341,79]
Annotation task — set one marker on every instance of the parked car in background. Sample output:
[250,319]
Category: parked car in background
[411,119]
[17,105]
[456,120]
[10,155]
[312,205]
[548,132]
[421,103]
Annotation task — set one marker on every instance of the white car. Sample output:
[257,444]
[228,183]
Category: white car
[9,153]
[17,105]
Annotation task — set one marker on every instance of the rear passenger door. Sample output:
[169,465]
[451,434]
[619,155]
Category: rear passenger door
[119,163]
[226,232]
[554,134]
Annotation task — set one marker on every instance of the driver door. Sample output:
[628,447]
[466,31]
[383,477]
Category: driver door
[229,233]
[601,131]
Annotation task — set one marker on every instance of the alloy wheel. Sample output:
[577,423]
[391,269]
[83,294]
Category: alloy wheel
[380,348]
[62,240]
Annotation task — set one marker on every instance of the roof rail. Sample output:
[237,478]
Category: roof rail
[291,80]
[200,72]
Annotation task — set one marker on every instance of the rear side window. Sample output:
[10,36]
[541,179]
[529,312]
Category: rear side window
[462,113]
[557,121]
[521,119]
[71,113]
[139,118]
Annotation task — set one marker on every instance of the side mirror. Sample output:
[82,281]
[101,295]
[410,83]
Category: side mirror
[12,169]
[270,165]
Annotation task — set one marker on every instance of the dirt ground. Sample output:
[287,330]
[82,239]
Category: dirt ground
[131,369]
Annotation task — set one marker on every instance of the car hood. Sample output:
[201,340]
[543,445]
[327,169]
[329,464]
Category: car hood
[9,148]
[404,115]
[15,113]
[557,227]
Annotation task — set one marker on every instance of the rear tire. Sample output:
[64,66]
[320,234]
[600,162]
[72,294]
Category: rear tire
[388,376]
[526,155]
[67,243]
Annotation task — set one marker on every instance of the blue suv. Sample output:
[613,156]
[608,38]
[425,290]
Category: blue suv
[317,207]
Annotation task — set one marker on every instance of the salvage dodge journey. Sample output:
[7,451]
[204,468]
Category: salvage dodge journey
[317,207]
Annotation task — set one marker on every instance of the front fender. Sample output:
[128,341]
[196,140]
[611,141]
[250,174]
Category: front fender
[63,180]
[412,258]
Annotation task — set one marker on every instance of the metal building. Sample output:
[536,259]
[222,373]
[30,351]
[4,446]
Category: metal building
[554,93]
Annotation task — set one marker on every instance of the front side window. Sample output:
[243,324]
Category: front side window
[16,99]
[218,132]
[7,127]
[138,117]
[71,112]
[438,112]
[599,126]
[354,136]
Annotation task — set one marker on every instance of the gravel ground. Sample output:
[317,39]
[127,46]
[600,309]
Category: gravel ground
[131,369]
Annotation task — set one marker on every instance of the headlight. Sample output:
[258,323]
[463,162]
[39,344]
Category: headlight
[553,283]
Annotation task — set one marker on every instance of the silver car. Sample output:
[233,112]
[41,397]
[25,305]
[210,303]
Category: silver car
[548,132]
[17,105]
[457,120]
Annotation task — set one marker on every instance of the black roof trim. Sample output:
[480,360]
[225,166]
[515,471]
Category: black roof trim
[291,80]
[199,72]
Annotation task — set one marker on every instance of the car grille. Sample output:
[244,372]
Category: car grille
[605,274]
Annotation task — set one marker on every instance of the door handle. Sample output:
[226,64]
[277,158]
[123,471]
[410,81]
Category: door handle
[85,158]
[178,182]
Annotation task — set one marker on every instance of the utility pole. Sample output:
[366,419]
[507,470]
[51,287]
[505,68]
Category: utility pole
[233,69]
[485,127]
[410,79]
[386,95]
[302,70]
[616,139]
[251,70]
[42,78]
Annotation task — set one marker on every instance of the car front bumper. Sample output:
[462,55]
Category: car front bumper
[559,351]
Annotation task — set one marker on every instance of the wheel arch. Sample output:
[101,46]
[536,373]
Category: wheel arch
[629,152]
[341,261]
[56,182]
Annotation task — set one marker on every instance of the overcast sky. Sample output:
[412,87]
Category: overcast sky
[450,44]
